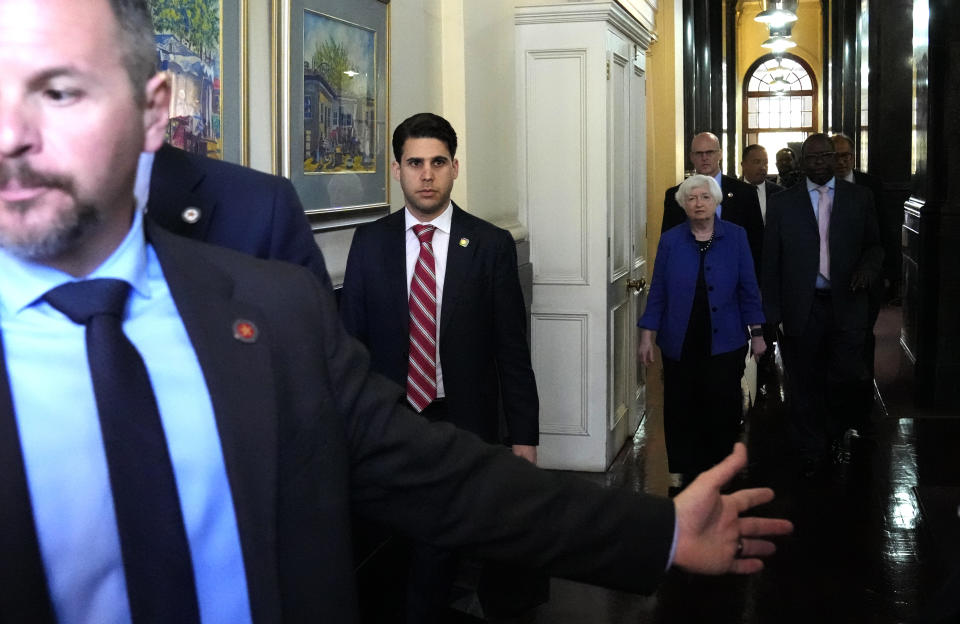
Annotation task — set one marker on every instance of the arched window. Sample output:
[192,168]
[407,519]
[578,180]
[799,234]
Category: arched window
[779,102]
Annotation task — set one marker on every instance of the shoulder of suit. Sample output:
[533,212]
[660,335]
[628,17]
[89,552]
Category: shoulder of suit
[675,233]
[219,170]
[733,182]
[386,223]
[787,194]
[470,223]
[196,254]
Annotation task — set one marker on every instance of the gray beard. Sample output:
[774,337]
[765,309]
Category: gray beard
[59,237]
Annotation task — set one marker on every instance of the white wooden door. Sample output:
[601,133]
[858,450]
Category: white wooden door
[580,105]
[627,235]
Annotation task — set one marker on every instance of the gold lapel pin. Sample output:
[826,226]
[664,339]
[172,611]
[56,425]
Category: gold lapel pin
[729,194]
[464,242]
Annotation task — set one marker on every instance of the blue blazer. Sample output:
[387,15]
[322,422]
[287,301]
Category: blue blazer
[731,288]
[237,207]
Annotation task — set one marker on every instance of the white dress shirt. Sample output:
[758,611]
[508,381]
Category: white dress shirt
[762,196]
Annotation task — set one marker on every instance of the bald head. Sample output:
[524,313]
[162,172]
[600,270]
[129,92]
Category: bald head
[705,154]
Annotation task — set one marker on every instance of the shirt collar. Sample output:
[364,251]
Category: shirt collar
[442,222]
[141,187]
[24,282]
[812,186]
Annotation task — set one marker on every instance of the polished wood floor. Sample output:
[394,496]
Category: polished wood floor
[875,539]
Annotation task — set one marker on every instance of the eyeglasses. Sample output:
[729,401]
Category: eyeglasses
[843,154]
[706,153]
[819,156]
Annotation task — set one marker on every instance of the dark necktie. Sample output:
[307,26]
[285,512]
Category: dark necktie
[422,365]
[153,541]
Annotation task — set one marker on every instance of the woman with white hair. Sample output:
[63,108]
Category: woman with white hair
[703,307]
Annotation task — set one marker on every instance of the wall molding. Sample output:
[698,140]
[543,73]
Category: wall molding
[638,24]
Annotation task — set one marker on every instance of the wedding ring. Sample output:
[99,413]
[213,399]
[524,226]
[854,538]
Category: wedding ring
[739,547]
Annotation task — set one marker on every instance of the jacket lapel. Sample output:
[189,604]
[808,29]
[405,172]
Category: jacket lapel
[239,377]
[459,258]
[838,217]
[804,208]
[24,597]
[174,181]
[394,267]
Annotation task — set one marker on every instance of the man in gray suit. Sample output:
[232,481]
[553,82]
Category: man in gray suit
[821,251]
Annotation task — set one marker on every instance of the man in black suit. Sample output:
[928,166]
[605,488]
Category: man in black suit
[817,289]
[887,219]
[483,358]
[788,173]
[740,204]
[255,360]
[877,294]
[753,167]
[228,205]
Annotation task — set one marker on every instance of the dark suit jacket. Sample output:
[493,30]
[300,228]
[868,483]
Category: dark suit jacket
[308,432]
[791,257]
[888,220]
[740,205]
[484,352]
[239,208]
[772,187]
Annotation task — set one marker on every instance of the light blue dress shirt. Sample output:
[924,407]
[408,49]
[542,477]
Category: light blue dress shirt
[63,450]
[719,179]
[822,282]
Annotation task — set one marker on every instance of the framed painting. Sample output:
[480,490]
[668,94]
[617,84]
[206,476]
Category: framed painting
[332,58]
[201,45]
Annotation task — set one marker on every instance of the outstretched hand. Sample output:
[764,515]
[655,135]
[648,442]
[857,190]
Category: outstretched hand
[712,538]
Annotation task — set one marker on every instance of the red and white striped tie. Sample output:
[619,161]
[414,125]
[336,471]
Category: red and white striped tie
[422,367]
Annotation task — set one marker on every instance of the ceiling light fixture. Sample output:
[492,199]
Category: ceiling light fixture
[779,43]
[779,84]
[777,14]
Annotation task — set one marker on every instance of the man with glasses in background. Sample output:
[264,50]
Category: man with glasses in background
[886,282]
[821,251]
[740,203]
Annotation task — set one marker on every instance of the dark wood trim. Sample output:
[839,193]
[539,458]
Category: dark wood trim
[732,151]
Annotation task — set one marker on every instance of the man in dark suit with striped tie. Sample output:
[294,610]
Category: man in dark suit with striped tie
[449,323]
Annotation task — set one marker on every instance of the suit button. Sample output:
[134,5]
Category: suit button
[714,331]
[707,268]
[710,288]
[714,308]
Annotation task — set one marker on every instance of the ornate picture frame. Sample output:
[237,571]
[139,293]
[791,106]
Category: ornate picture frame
[201,44]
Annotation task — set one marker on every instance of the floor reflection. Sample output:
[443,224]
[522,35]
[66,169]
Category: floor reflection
[862,551]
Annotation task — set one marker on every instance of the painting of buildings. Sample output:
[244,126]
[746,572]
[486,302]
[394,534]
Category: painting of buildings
[188,48]
[339,92]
